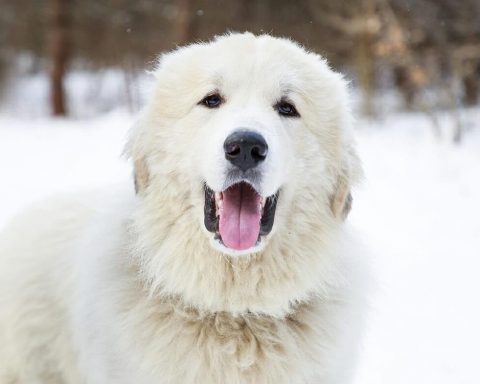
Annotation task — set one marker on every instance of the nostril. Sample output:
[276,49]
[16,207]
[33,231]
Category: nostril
[233,150]
[259,152]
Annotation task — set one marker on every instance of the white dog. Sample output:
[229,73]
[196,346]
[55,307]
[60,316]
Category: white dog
[230,264]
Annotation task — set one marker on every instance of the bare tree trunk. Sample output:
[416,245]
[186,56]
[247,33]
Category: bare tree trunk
[184,24]
[470,84]
[404,84]
[59,54]
[247,11]
[365,60]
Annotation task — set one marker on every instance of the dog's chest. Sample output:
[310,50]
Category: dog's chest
[186,347]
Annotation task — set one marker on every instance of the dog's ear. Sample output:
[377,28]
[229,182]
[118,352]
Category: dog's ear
[136,151]
[349,173]
[341,200]
[140,174]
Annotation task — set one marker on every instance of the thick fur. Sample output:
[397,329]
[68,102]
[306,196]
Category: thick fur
[117,287]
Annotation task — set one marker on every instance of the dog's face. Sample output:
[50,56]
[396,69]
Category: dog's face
[255,132]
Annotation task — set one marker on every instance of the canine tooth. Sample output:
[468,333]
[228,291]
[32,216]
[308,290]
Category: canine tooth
[218,203]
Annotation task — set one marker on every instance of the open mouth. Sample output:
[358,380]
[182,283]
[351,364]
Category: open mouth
[239,215]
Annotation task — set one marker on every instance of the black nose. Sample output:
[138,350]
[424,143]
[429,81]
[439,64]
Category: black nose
[245,149]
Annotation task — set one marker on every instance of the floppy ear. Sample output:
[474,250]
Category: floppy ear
[135,150]
[140,174]
[350,172]
[341,200]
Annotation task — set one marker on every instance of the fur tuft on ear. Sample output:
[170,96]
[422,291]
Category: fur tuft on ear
[341,201]
[141,174]
[350,173]
[135,150]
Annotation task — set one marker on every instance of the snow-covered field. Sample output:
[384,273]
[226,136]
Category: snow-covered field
[418,211]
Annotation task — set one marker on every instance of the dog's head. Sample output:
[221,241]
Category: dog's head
[246,140]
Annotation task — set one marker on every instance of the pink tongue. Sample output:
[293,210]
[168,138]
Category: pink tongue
[240,217]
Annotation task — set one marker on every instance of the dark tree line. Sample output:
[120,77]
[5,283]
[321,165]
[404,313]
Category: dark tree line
[420,44]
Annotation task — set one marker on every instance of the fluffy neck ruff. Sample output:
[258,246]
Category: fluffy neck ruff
[178,261]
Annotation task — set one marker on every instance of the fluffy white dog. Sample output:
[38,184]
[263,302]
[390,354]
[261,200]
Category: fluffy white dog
[231,262]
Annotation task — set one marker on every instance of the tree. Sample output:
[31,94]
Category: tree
[59,53]
[184,23]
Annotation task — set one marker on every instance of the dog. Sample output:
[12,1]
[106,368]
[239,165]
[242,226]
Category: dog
[230,262]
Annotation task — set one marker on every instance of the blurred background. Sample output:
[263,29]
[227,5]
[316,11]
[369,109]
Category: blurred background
[418,54]
[74,73]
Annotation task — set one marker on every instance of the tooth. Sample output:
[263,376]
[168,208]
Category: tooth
[218,203]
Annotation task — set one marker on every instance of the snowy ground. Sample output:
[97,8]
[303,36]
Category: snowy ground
[418,210]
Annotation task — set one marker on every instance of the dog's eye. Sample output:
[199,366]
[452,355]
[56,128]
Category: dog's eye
[286,108]
[212,101]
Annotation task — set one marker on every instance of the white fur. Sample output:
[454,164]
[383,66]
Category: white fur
[112,287]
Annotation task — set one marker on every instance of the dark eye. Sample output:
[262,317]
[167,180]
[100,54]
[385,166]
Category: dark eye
[212,101]
[286,108]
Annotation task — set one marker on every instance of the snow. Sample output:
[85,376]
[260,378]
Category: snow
[44,157]
[417,210]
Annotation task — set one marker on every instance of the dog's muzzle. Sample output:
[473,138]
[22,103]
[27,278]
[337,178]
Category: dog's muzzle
[239,215]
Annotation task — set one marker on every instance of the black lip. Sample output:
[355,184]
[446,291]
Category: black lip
[210,211]
[268,217]
[211,219]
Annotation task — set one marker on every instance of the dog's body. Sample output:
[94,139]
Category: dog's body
[170,285]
